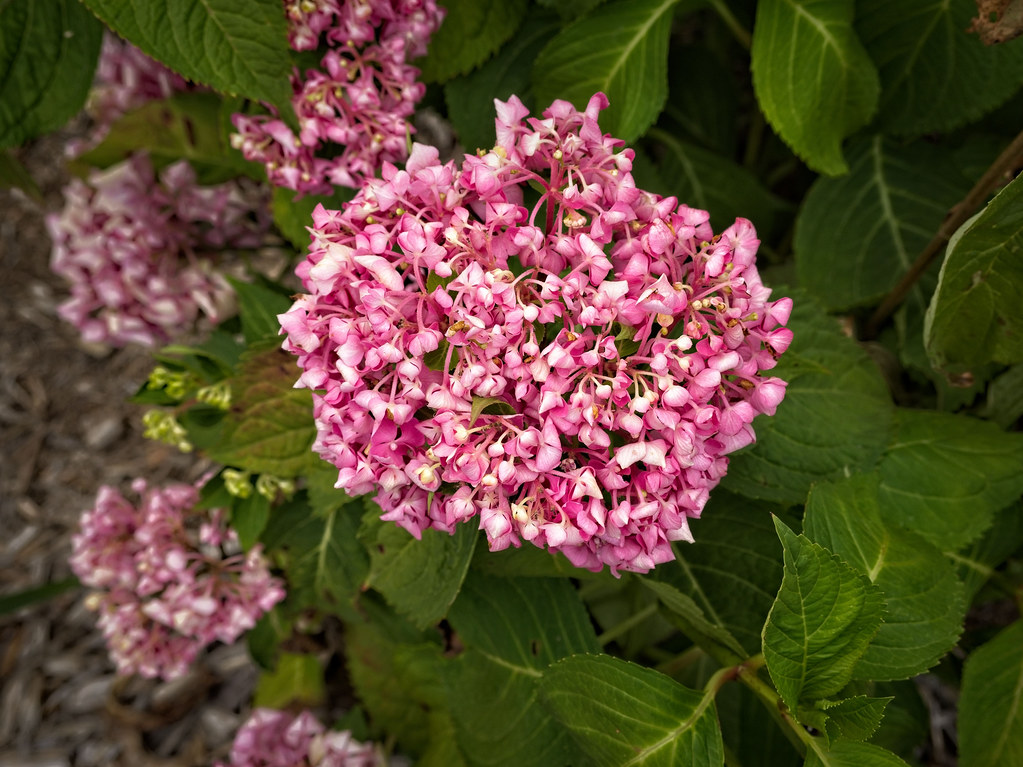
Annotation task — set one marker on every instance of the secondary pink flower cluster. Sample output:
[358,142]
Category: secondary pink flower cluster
[136,248]
[162,589]
[532,340]
[278,739]
[353,109]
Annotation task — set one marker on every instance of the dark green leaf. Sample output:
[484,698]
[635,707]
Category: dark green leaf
[298,679]
[702,99]
[813,78]
[239,50]
[835,418]
[259,306]
[14,175]
[974,315]
[824,617]
[570,10]
[495,405]
[248,518]
[10,603]
[621,49]
[944,476]
[620,713]
[469,35]
[977,564]
[924,599]
[858,234]
[513,629]
[419,578]
[991,703]
[470,99]
[269,427]
[48,51]
[935,75]
[855,718]
[265,638]
[851,753]
[293,217]
[1005,397]
[686,608]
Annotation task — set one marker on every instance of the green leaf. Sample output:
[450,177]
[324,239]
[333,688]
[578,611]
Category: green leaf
[185,126]
[469,35]
[494,405]
[570,10]
[620,49]
[264,639]
[935,75]
[419,578]
[470,99]
[620,713]
[269,427]
[698,75]
[977,564]
[991,703]
[824,617]
[924,599]
[855,718]
[14,175]
[324,562]
[974,315]
[238,50]
[48,52]
[813,78]
[733,571]
[1005,397]
[686,608]
[704,179]
[513,629]
[943,475]
[249,517]
[10,603]
[835,418]
[851,753]
[293,217]
[259,304]
[858,234]
[298,679]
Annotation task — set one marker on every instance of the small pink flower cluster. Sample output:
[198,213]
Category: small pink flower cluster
[277,739]
[359,98]
[534,340]
[162,590]
[135,248]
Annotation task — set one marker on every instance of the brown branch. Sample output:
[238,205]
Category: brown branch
[1006,164]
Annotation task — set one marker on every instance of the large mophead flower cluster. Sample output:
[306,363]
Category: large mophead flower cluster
[167,580]
[531,340]
[140,250]
[353,110]
[278,739]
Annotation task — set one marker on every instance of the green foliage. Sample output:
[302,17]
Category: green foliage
[292,217]
[621,713]
[48,51]
[621,49]
[814,80]
[241,52]
[469,35]
[297,680]
[974,316]
[991,707]
[825,615]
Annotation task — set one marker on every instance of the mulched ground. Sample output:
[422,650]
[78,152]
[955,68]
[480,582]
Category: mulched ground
[65,429]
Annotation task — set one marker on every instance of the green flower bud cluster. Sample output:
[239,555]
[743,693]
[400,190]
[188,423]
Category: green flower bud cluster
[164,427]
[239,485]
[218,395]
[176,384]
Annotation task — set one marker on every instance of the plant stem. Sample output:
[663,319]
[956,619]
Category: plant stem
[738,30]
[1006,164]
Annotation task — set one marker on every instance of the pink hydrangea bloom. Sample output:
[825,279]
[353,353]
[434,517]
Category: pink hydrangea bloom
[164,590]
[358,100]
[531,342]
[278,739]
[137,248]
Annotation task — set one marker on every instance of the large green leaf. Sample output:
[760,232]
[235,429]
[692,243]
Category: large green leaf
[855,718]
[1005,397]
[935,75]
[48,51]
[470,99]
[269,427]
[513,630]
[858,234]
[293,218]
[258,305]
[974,315]
[239,49]
[469,35]
[692,616]
[419,578]
[851,753]
[704,179]
[944,475]
[924,599]
[824,617]
[991,703]
[977,564]
[813,78]
[732,572]
[835,418]
[620,713]
[621,49]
